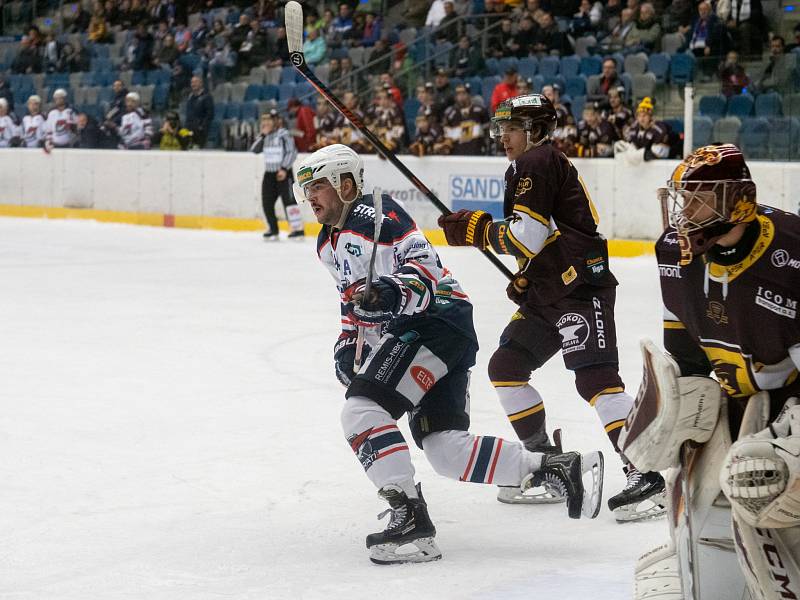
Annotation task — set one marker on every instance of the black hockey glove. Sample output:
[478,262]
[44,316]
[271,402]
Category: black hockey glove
[344,355]
[386,300]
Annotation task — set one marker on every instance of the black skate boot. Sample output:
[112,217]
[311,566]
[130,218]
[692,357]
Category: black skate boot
[539,494]
[410,526]
[642,498]
[565,473]
[299,234]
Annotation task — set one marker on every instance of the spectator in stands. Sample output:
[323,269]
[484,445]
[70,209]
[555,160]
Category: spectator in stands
[27,59]
[387,81]
[161,32]
[343,24]
[732,75]
[678,16]
[357,32]
[82,19]
[348,134]
[117,107]
[505,89]
[239,33]
[168,53]
[498,40]
[708,38]
[442,90]
[219,58]
[429,138]
[524,86]
[645,35]
[381,56]
[796,44]
[745,20]
[563,113]
[266,12]
[777,77]
[142,55]
[325,122]
[60,124]
[618,114]
[597,89]
[172,136]
[466,124]
[610,16]
[218,30]
[436,13]
[139,13]
[648,134]
[314,48]
[548,37]
[33,134]
[616,40]
[77,58]
[427,100]
[449,26]
[466,60]
[52,55]
[98,27]
[201,34]
[183,37]
[9,128]
[386,120]
[372,30]
[256,48]
[581,24]
[90,135]
[304,131]
[596,136]
[6,93]
[199,111]
[522,42]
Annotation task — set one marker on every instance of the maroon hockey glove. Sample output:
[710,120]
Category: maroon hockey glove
[466,228]
[517,290]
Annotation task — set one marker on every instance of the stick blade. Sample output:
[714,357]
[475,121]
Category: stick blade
[294,26]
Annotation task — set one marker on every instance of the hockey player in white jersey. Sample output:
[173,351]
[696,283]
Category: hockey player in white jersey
[61,123]
[33,133]
[9,130]
[418,324]
[136,129]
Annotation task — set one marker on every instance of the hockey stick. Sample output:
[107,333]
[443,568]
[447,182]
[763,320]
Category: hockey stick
[377,203]
[294,39]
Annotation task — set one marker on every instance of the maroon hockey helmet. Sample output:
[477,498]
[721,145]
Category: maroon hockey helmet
[534,113]
[709,192]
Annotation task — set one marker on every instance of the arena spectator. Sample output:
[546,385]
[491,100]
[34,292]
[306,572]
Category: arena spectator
[387,81]
[304,131]
[90,135]
[734,80]
[314,48]
[168,53]
[449,26]
[436,13]
[429,138]
[523,41]
[6,93]
[172,136]
[218,30]
[139,53]
[349,135]
[201,34]
[60,124]
[380,59]
[325,122]
[239,32]
[442,90]
[708,38]
[777,77]
[9,129]
[466,124]
[53,55]
[386,120]
[645,35]
[427,99]
[343,24]
[524,86]
[136,130]
[616,40]
[796,44]
[548,37]
[33,134]
[745,20]
[610,15]
[372,30]
[280,48]
[505,89]
[256,48]
[581,24]
[499,40]
[467,60]
[563,113]
[27,59]
[648,134]
[597,90]
[678,16]
[617,113]
[199,111]
[76,58]
[98,27]
[183,37]
[596,136]
[117,107]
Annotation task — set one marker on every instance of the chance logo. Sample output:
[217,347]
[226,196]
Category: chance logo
[574,330]
[423,377]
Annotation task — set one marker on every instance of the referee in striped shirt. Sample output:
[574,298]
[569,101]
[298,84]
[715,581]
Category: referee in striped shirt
[276,146]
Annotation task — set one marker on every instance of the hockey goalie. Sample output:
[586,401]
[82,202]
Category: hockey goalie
[719,411]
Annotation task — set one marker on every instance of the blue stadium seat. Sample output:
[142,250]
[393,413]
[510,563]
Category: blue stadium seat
[682,68]
[713,106]
[214,134]
[549,66]
[56,80]
[286,91]
[269,92]
[575,86]
[703,128]
[570,66]
[492,66]
[161,97]
[253,92]
[556,80]
[784,137]
[190,62]
[249,111]
[304,91]
[740,106]
[101,51]
[658,65]
[287,75]
[538,82]
[139,78]
[411,107]
[527,67]
[487,87]
[675,125]
[102,64]
[578,102]
[591,65]
[506,63]
[754,137]
[769,105]
[475,85]
[105,95]
[233,110]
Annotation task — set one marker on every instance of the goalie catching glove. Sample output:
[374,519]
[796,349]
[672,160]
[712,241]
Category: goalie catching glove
[466,228]
[389,297]
[761,474]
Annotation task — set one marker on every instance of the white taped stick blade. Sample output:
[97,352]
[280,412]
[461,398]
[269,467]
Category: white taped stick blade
[294,26]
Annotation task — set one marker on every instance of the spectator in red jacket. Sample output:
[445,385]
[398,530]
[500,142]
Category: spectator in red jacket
[304,132]
[505,89]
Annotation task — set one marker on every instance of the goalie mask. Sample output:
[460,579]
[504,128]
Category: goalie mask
[709,193]
[532,113]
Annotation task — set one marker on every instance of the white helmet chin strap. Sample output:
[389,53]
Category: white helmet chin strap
[346,206]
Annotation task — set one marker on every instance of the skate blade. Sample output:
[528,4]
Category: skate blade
[592,463]
[420,550]
[649,508]
[513,495]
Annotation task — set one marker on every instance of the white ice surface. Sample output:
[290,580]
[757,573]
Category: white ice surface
[169,428]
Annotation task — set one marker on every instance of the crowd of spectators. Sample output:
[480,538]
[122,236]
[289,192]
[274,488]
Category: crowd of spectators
[447,117]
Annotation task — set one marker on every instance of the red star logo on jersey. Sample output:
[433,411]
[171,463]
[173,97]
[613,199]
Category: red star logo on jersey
[393,215]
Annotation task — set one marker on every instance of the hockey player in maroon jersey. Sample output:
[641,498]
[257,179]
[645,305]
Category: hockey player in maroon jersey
[418,323]
[730,283]
[564,289]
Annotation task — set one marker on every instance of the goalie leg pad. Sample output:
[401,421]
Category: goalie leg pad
[657,575]
[668,411]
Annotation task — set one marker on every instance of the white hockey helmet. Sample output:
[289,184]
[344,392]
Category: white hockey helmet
[331,162]
[60,93]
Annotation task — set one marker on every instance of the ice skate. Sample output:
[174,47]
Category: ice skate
[409,537]
[549,492]
[565,472]
[297,235]
[270,237]
[642,498]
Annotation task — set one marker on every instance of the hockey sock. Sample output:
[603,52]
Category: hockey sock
[479,459]
[295,217]
[612,409]
[525,409]
[378,444]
